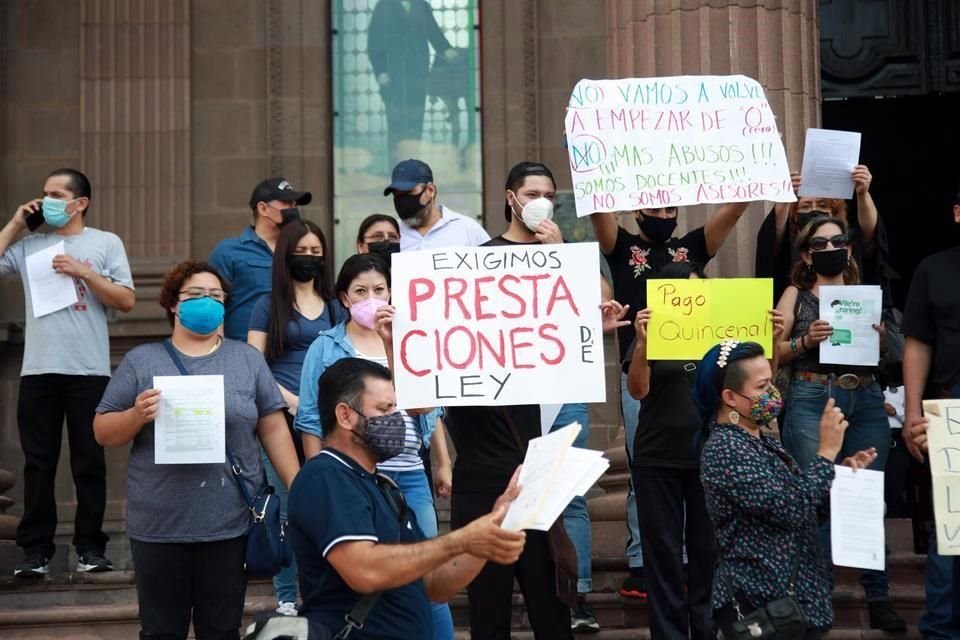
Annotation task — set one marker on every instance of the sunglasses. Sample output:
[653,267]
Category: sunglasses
[820,243]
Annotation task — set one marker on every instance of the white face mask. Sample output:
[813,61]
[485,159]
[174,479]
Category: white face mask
[535,212]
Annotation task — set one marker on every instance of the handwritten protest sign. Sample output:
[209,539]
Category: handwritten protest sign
[688,317]
[943,440]
[498,326]
[656,142]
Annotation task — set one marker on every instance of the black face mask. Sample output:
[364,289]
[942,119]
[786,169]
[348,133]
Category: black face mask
[408,206]
[658,230]
[287,216]
[830,263]
[305,268]
[385,248]
[803,219]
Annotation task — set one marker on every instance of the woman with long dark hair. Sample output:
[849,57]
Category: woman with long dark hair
[283,325]
[826,258]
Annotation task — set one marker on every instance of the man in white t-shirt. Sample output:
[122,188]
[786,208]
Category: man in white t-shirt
[424,224]
[66,364]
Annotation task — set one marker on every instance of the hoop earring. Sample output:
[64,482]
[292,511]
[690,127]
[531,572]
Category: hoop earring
[734,416]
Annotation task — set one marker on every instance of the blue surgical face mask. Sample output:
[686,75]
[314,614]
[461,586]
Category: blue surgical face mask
[201,315]
[55,212]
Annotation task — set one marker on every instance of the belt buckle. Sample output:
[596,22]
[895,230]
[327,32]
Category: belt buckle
[848,381]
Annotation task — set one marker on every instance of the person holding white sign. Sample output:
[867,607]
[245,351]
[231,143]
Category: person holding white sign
[188,523]
[633,259]
[73,276]
[931,369]
[777,236]
[826,260]
[363,287]
[764,505]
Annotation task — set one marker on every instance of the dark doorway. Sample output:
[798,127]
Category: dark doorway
[910,144]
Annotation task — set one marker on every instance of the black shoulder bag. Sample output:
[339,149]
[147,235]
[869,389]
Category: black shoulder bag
[781,619]
[267,548]
[272,626]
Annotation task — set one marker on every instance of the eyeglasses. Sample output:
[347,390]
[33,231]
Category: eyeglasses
[819,243]
[394,496]
[198,292]
[380,237]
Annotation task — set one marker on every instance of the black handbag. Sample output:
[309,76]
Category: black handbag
[781,619]
[267,548]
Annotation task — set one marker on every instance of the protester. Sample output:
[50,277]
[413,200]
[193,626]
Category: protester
[283,325]
[931,369]
[66,366]
[188,522]
[672,508]
[424,224]
[633,258]
[352,533]
[826,260]
[363,287]
[379,233]
[246,261]
[777,236]
[764,506]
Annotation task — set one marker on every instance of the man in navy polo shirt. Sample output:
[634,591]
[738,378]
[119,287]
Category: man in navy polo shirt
[247,261]
[347,537]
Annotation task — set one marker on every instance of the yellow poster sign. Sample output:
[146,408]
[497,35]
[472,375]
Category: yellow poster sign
[688,317]
[943,443]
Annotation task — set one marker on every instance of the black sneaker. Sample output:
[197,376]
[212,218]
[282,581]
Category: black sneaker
[93,562]
[34,564]
[634,586]
[884,617]
[582,619]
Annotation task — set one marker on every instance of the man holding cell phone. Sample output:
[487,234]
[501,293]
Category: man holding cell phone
[66,363]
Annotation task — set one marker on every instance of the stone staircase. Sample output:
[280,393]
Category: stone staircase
[103,606]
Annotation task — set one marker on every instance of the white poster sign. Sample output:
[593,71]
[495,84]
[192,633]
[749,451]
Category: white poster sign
[498,326]
[659,142]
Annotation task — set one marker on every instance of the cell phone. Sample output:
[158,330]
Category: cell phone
[830,379]
[34,220]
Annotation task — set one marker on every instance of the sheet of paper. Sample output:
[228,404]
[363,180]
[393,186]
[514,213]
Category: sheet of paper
[581,467]
[828,159]
[544,457]
[851,311]
[943,444]
[548,415]
[857,535]
[191,421]
[49,291]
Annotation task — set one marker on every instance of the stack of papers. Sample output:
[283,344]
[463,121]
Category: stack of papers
[554,472]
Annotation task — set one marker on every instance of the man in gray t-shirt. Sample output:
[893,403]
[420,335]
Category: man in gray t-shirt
[66,364]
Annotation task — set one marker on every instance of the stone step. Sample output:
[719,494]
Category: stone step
[118,618]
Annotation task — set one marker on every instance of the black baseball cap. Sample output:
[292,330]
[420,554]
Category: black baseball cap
[278,189]
[407,175]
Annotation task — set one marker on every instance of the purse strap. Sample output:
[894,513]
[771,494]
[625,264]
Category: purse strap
[513,431]
[234,466]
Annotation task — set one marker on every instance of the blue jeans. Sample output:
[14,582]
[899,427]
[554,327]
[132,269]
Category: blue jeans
[863,409]
[630,412]
[285,582]
[576,518]
[937,621]
[419,498]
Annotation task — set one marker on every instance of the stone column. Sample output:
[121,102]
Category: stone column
[775,42]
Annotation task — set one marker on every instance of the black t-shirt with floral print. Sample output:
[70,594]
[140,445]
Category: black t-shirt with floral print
[634,260]
[766,512]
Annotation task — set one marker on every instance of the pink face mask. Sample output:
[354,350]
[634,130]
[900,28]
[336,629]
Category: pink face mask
[364,311]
